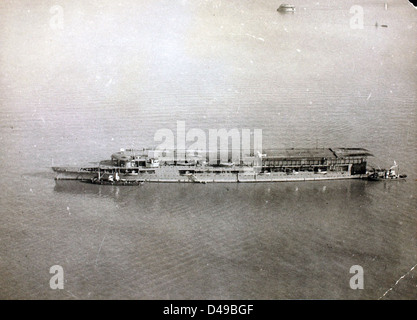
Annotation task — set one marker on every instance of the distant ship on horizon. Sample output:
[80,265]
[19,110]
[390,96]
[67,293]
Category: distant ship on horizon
[286,8]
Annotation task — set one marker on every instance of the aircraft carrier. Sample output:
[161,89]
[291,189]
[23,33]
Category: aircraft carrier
[133,167]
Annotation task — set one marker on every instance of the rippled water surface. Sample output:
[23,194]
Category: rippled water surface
[116,73]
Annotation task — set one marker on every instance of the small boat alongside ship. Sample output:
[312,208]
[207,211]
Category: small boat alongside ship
[383,174]
[135,167]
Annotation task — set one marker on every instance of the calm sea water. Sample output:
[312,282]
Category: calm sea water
[116,73]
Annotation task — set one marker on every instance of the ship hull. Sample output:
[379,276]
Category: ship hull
[173,175]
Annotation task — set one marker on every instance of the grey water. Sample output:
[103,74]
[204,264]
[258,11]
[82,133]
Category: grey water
[113,73]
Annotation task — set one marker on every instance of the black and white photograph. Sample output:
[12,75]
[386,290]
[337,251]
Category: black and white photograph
[208,150]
